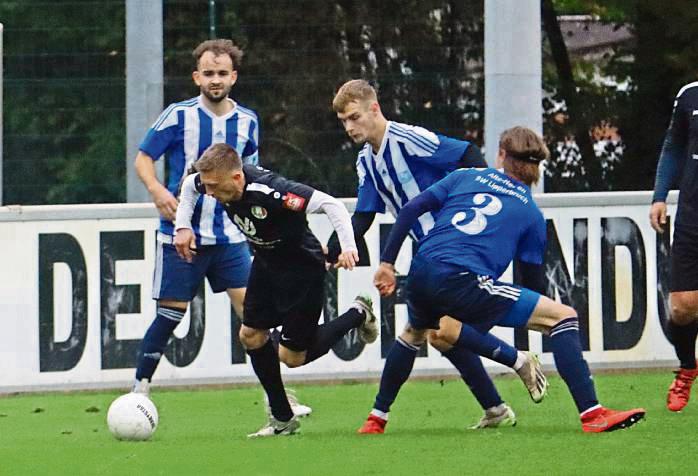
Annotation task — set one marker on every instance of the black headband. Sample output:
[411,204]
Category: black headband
[525,157]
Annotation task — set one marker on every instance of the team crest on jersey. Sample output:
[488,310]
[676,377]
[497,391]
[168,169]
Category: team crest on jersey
[259,212]
[293,202]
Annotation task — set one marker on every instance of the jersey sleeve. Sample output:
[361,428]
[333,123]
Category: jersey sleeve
[282,193]
[448,155]
[531,247]
[250,154]
[161,134]
[368,199]
[673,152]
[191,190]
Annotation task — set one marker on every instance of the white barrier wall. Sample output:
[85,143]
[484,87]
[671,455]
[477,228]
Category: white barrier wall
[76,283]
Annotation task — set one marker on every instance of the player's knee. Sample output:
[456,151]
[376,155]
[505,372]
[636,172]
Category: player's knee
[291,358]
[439,341]
[683,312]
[252,338]
[414,336]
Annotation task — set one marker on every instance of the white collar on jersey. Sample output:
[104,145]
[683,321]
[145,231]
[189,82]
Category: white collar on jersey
[212,115]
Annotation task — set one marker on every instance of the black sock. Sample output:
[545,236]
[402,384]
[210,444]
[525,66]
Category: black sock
[329,333]
[265,362]
[683,338]
[475,376]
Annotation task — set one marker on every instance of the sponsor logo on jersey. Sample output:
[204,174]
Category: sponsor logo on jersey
[259,212]
[293,202]
[245,225]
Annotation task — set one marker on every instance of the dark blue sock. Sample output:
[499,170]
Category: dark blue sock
[330,332]
[155,341]
[397,369]
[570,363]
[265,362]
[487,345]
[683,338]
[475,376]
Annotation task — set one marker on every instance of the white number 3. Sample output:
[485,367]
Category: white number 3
[474,220]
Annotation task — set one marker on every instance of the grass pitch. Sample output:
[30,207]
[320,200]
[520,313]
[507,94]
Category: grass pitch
[203,432]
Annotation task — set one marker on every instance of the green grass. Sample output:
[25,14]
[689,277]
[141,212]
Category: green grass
[203,433]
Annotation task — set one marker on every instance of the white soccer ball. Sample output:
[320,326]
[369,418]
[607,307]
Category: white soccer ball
[132,417]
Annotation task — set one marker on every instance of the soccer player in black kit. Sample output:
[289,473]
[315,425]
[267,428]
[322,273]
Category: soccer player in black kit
[286,283]
[678,165]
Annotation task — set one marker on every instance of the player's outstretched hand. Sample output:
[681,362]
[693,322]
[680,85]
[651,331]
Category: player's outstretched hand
[658,216]
[185,243]
[384,279]
[166,203]
[347,259]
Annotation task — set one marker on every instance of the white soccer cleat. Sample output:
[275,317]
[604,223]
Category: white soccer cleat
[275,427]
[141,386]
[496,417]
[297,407]
[531,374]
[368,330]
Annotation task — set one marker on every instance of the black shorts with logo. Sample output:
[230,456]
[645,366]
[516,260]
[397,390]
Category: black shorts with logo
[286,295]
[684,259]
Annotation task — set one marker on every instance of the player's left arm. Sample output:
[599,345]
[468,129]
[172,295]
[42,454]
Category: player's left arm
[338,215]
[453,154]
[530,264]
[184,240]
[384,279]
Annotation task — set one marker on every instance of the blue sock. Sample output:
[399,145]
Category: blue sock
[397,369]
[570,363]
[474,375]
[487,345]
[265,362]
[155,341]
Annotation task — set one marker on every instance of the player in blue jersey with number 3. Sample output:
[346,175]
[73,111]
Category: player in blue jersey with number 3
[484,218]
[181,134]
[396,163]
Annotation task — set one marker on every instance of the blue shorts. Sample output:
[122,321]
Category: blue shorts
[226,267]
[437,289]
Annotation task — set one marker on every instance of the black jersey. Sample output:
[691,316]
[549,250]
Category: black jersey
[683,134]
[272,215]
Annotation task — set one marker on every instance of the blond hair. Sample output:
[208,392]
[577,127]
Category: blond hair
[218,158]
[524,151]
[354,90]
[218,47]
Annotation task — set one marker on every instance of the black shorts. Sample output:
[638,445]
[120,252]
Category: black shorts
[684,259]
[287,296]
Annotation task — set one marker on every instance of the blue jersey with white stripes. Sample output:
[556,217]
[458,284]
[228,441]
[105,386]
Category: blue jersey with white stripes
[409,160]
[486,219]
[182,133]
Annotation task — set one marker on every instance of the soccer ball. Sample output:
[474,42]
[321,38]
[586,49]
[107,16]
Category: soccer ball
[132,417]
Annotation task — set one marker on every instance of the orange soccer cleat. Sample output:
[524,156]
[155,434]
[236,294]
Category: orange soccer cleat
[373,425]
[680,389]
[604,419]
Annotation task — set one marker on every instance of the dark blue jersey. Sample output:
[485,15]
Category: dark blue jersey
[485,219]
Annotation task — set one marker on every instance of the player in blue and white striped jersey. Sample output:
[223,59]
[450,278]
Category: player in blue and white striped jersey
[397,162]
[181,134]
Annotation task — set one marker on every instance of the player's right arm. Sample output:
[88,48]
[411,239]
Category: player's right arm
[185,240]
[165,202]
[670,163]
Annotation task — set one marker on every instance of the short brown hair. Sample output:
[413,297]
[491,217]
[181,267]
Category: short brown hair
[354,90]
[218,47]
[524,151]
[219,158]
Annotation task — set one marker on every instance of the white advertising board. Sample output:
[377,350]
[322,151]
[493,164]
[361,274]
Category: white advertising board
[76,283]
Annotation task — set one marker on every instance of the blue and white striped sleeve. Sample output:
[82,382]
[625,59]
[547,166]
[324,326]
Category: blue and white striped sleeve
[368,198]
[161,134]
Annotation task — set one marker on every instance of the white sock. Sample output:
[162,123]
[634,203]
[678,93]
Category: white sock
[379,414]
[520,360]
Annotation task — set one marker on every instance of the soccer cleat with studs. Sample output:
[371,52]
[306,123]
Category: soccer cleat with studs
[680,389]
[368,330]
[604,419]
[496,417]
[531,374]
[374,425]
[275,427]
